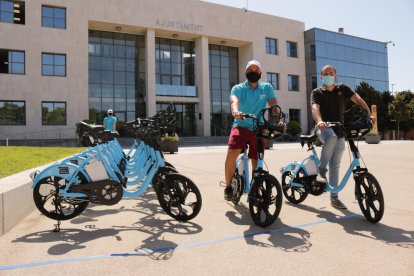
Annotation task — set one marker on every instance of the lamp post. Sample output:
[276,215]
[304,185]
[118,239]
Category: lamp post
[392,88]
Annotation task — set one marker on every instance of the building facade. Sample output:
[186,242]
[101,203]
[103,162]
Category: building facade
[64,61]
[356,59]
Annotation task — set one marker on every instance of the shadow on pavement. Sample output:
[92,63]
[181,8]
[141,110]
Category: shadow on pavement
[358,225]
[282,236]
[156,246]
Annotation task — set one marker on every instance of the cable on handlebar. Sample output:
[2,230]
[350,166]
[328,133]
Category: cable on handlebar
[271,122]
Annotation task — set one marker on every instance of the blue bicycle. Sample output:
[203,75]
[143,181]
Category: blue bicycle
[299,178]
[104,174]
[264,191]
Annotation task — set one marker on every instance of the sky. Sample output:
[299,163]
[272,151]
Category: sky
[380,20]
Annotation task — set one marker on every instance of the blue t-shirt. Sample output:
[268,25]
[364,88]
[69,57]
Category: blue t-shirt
[110,122]
[251,101]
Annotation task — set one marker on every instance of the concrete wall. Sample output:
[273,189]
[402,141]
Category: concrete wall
[16,200]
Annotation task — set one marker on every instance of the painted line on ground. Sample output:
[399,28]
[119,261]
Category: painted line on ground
[161,249]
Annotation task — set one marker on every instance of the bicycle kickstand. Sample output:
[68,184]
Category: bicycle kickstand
[57,227]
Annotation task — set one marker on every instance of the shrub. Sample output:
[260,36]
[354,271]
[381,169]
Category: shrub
[293,128]
[167,137]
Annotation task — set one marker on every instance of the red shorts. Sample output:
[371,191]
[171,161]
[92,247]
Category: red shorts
[240,137]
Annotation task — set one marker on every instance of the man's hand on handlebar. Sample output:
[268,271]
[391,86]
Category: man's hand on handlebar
[237,115]
[321,125]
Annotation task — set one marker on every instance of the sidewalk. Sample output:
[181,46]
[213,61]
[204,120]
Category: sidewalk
[136,237]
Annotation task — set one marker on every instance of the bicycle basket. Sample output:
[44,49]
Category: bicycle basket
[356,122]
[271,123]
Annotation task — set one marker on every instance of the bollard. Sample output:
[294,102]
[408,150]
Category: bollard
[7,141]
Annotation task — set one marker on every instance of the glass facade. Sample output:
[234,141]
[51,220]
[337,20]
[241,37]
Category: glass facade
[174,62]
[356,59]
[223,76]
[186,117]
[116,75]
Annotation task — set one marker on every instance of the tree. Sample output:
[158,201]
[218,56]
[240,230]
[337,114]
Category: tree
[388,124]
[374,97]
[401,109]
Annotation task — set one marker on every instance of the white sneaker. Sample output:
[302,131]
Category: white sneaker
[321,179]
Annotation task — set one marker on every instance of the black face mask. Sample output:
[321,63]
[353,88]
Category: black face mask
[253,76]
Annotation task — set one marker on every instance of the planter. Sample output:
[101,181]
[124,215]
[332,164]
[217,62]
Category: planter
[372,139]
[169,146]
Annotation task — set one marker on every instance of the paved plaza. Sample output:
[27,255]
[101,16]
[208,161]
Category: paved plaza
[135,237]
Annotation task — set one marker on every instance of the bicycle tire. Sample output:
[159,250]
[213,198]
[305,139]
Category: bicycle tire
[179,197]
[238,187]
[265,200]
[49,203]
[370,197]
[160,176]
[292,192]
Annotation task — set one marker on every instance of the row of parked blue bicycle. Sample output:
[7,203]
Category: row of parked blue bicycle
[104,174]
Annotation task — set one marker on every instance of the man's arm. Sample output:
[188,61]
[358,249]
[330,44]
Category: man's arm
[360,101]
[317,117]
[272,101]
[234,107]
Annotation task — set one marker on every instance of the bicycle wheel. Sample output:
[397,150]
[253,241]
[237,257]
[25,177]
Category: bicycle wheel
[160,176]
[179,197]
[52,205]
[370,197]
[238,187]
[295,195]
[265,200]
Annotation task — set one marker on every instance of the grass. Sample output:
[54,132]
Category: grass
[17,159]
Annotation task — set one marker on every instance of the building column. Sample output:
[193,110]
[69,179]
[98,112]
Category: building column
[202,81]
[150,72]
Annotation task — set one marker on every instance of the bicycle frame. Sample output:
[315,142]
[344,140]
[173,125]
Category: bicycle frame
[295,166]
[149,162]
[243,166]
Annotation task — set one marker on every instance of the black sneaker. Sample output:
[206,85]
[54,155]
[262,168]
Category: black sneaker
[228,193]
[336,203]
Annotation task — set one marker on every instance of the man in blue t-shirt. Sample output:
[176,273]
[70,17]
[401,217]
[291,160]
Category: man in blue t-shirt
[249,97]
[110,121]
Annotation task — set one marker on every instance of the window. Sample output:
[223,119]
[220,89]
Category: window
[271,46]
[12,12]
[313,52]
[53,17]
[292,49]
[314,82]
[53,113]
[12,113]
[293,83]
[294,115]
[53,64]
[12,62]
[174,62]
[273,79]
